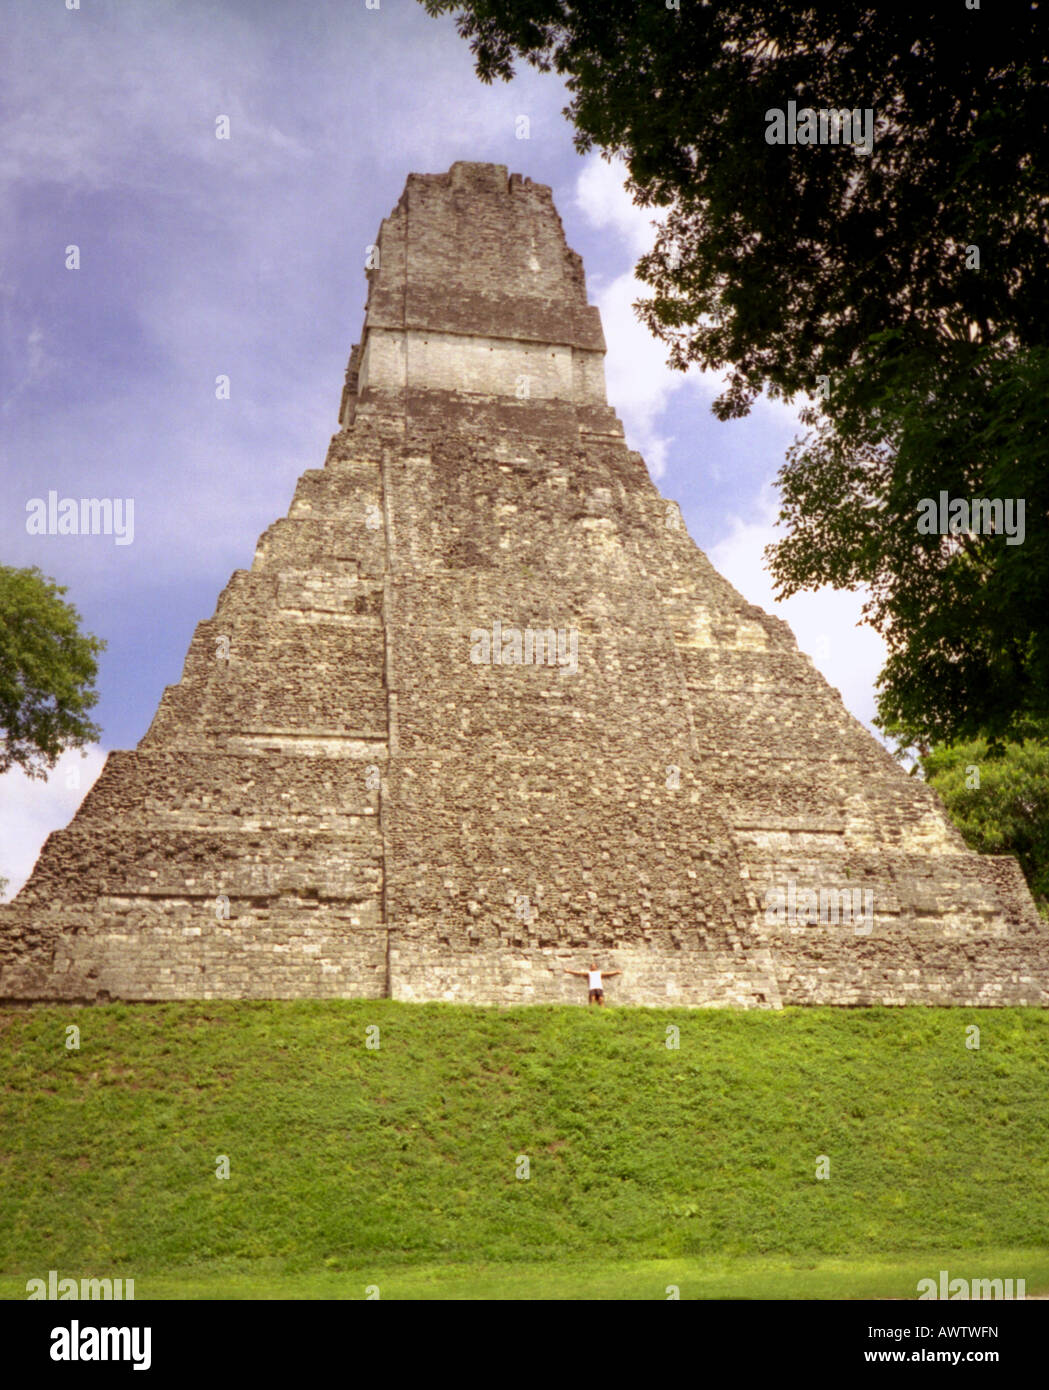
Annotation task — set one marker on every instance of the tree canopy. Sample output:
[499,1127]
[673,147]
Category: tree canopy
[963,615]
[901,290]
[47,673]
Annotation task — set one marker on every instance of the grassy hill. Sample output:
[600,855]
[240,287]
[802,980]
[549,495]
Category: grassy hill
[398,1166]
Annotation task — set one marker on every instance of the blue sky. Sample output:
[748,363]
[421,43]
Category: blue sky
[244,257]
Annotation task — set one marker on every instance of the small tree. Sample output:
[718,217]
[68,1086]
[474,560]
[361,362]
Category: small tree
[47,673]
[1000,803]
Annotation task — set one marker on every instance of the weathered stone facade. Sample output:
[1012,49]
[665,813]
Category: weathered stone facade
[361,768]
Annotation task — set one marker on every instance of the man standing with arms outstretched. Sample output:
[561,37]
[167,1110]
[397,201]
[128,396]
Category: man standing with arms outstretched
[596,978]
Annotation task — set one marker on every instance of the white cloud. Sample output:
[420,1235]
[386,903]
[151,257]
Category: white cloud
[37,365]
[640,384]
[639,381]
[602,198]
[31,809]
[824,622]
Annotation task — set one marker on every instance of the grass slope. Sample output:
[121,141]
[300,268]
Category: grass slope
[398,1166]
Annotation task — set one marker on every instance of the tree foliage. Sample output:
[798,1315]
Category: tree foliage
[1000,804]
[47,673]
[818,269]
[963,615]
[780,262]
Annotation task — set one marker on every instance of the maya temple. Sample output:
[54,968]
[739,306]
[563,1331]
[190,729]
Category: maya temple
[481,710]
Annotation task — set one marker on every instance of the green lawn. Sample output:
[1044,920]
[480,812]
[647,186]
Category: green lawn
[719,1277]
[397,1167]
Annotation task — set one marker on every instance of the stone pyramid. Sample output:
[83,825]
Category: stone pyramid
[480,709]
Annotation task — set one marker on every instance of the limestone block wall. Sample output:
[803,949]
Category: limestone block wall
[479,365]
[817,805]
[239,851]
[549,830]
[475,251]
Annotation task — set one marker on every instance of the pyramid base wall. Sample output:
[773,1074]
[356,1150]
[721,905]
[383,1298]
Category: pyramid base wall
[833,967]
[74,958]
[71,957]
[697,976]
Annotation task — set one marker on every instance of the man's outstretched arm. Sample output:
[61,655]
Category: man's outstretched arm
[607,974]
[575,972]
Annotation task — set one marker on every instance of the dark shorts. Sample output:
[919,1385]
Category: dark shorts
[596,994]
